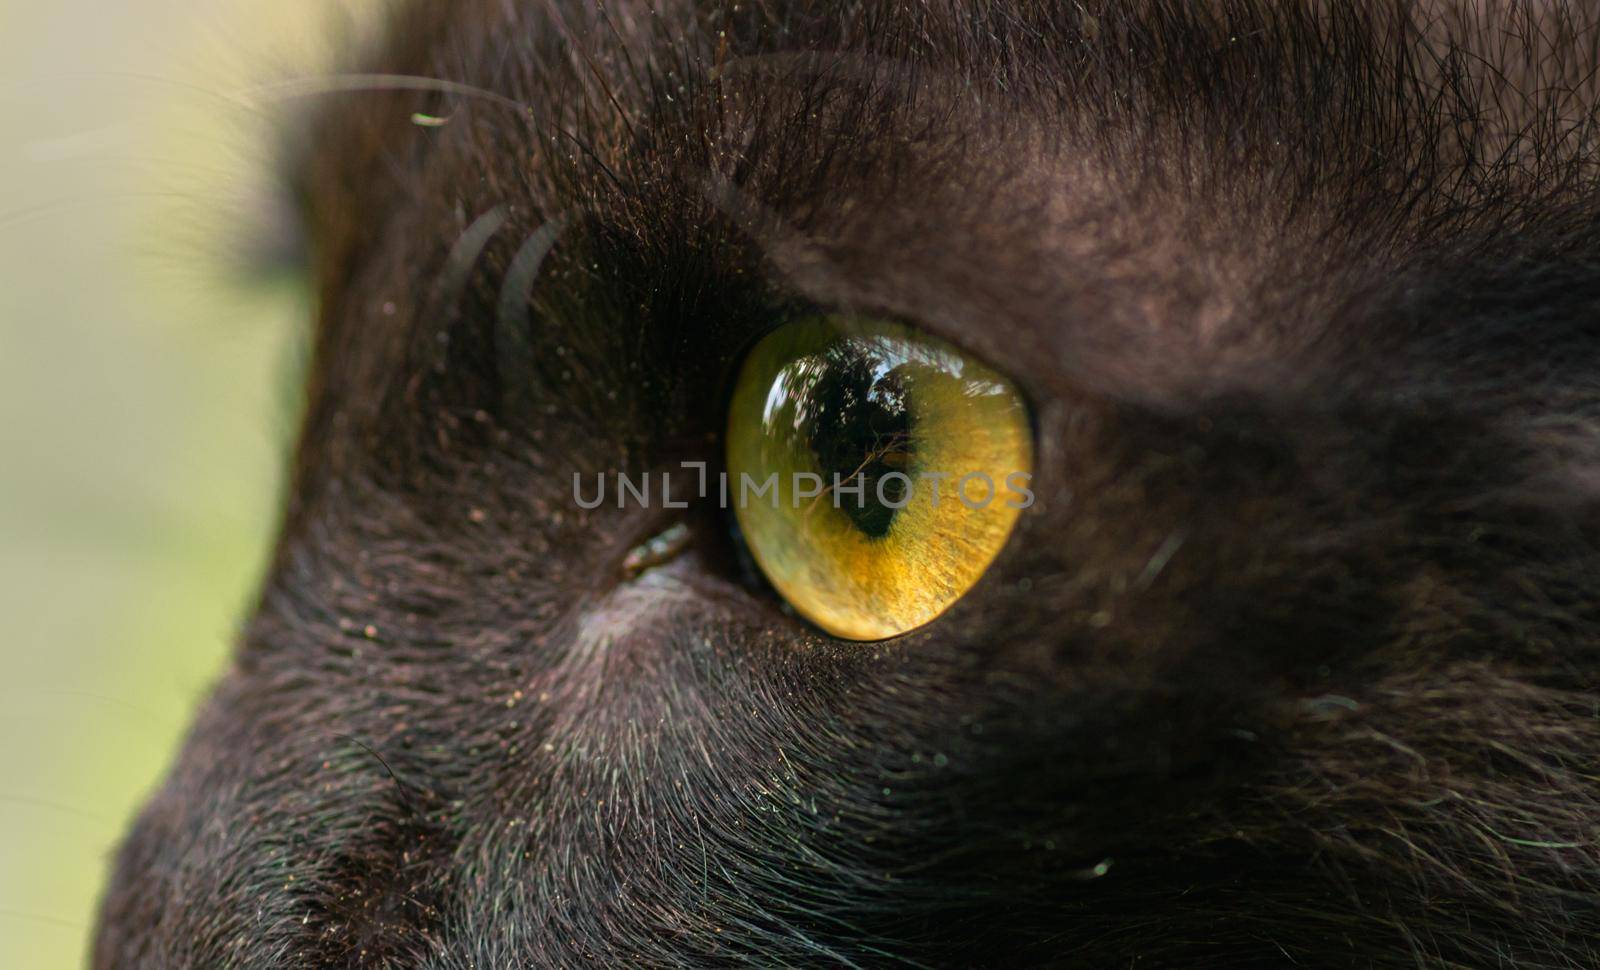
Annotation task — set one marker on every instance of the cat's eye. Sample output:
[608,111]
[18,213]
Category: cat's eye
[876,472]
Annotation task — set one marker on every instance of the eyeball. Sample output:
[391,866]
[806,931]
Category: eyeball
[875,472]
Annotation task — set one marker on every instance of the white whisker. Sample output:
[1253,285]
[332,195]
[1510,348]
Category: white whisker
[305,87]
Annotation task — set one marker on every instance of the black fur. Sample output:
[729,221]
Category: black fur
[1293,664]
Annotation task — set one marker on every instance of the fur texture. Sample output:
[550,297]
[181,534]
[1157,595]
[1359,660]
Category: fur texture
[1293,664]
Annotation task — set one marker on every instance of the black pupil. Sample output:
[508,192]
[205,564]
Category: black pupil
[860,430]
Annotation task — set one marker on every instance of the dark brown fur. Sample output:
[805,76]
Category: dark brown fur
[1294,663]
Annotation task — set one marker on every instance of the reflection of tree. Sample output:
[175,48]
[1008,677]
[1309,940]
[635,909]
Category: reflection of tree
[853,415]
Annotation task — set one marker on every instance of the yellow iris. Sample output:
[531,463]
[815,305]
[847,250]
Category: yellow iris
[875,472]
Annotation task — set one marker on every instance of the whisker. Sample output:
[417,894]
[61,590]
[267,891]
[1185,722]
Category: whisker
[144,167]
[513,316]
[304,87]
[769,228]
[55,806]
[232,100]
[862,68]
[464,255]
[457,273]
[401,786]
[87,143]
[143,714]
[22,914]
[792,253]
[15,216]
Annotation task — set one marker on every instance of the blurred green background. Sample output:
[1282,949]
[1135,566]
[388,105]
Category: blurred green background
[147,402]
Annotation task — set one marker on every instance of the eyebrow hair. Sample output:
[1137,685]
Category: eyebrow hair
[1378,135]
[1440,107]
[1415,124]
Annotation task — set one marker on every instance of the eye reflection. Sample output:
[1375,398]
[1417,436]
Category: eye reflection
[901,466]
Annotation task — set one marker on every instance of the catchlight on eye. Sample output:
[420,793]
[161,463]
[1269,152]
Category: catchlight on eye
[875,472]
